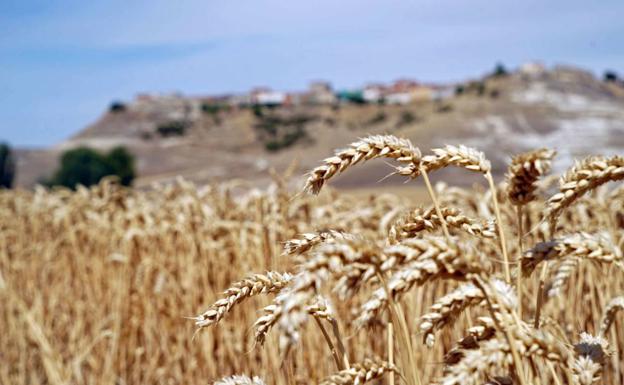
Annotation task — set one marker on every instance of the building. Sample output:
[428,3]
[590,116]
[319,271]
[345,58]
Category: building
[320,92]
[266,96]
[398,97]
[532,69]
[442,92]
[373,93]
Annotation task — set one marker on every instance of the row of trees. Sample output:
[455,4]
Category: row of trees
[79,166]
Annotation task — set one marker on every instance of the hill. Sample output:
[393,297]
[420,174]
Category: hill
[563,108]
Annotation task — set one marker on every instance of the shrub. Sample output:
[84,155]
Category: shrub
[287,140]
[459,90]
[444,108]
[257,110]
[480,87]
[278,132]
[86,166]
[122,164]
[172,128]
[117,106]
[500,70]
[7,166]
[405,118]
[379,117]
[214,108]
[610,76]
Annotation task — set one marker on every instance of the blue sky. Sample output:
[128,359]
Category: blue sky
[62,62]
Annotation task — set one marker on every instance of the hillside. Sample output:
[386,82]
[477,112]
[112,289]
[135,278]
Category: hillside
[563,108]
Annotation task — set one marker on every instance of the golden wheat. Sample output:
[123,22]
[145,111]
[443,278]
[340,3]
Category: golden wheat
[95,283]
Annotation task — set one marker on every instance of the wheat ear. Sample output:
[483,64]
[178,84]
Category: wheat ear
[445,310]
[419,220]
[360,373]
[308,241]
[239,291]
[441,260]
[562,275]
[596,247]
[523,173]
[613,307]
[583,177]
[483,330]
[371,147]
[591,353]
[240,380]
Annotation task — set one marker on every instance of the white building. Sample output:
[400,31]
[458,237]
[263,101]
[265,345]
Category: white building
[373,93]
[398,98]
[267,96]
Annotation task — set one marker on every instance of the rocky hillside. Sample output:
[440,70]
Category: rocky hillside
[562,108]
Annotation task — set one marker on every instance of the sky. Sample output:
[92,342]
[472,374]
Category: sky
[63,62]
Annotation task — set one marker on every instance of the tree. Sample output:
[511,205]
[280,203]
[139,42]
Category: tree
[500,70]
[172,128]
[87,167]
[117,106]
[610,76]
[7,166]
[122,164]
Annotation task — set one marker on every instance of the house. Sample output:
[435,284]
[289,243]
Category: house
[266,96]
[532,69]
[442,92]
[373,93]
[401,97]
[320,92]
[422,93]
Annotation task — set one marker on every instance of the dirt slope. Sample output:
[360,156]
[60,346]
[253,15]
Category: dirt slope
[563,108]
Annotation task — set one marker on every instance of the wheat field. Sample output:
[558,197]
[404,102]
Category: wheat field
[516,281]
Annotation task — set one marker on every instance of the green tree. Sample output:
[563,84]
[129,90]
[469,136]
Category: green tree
[500,70]
[117,106]
[610,76]
[7,166]
[87,167]
[122,164]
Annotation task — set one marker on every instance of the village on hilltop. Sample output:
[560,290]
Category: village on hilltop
[400,92]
